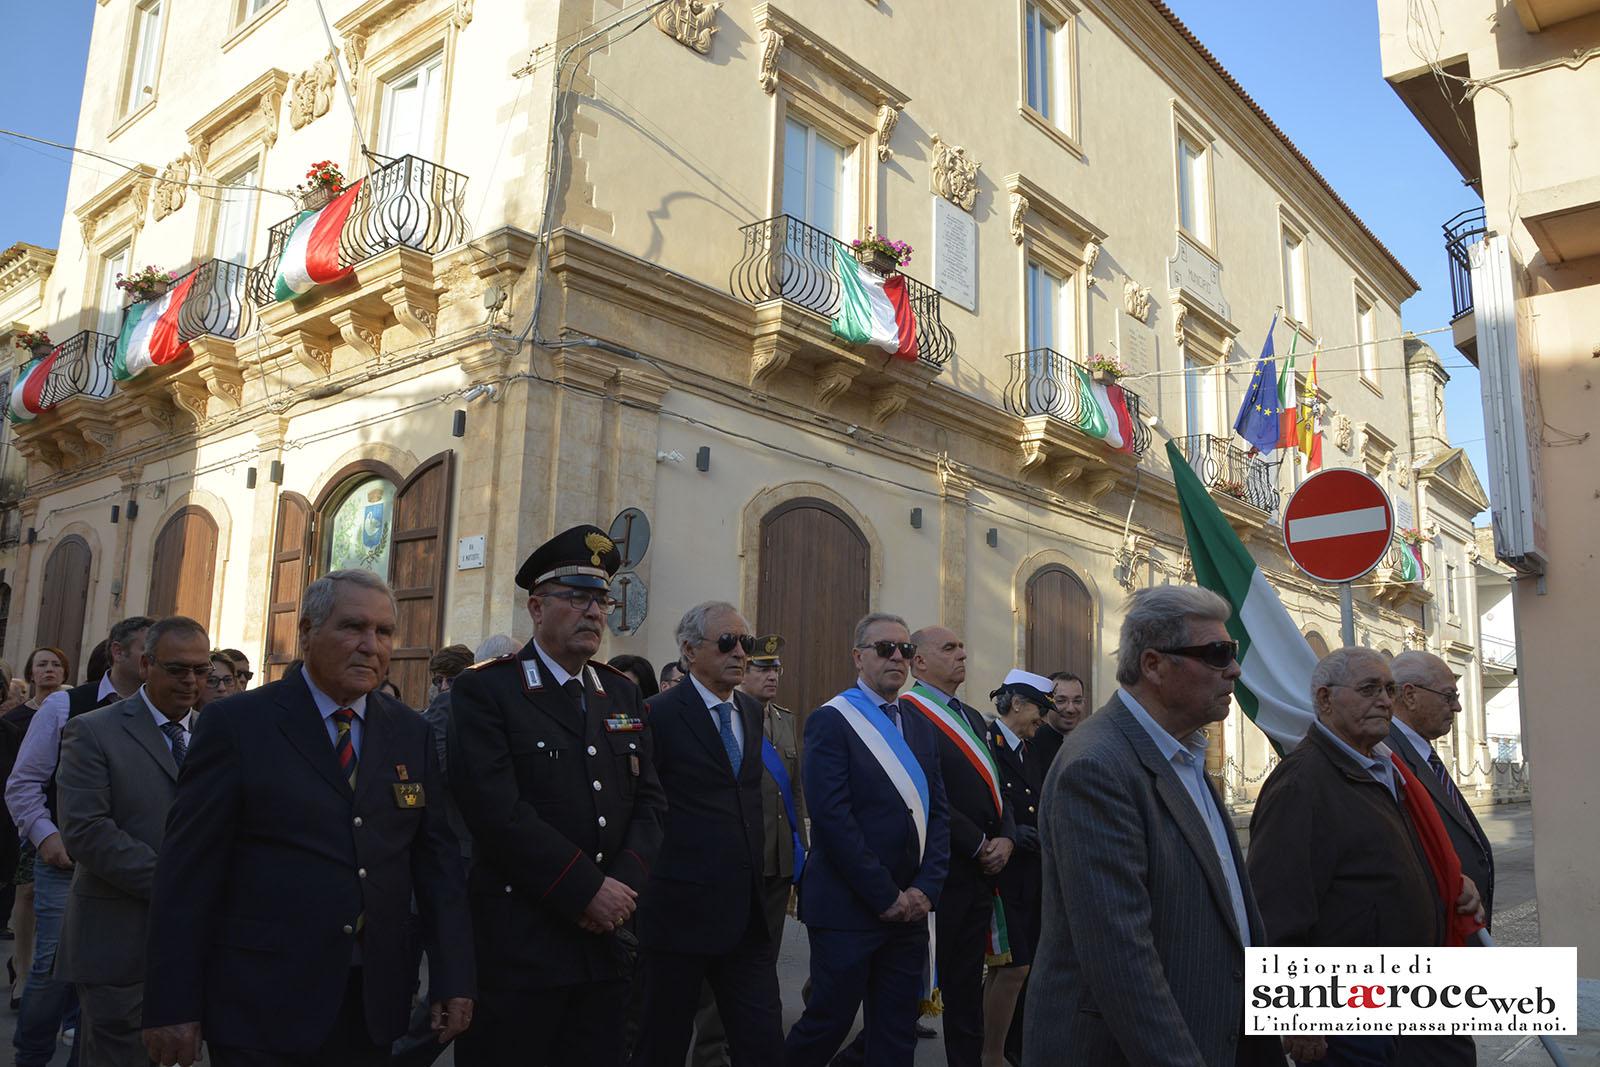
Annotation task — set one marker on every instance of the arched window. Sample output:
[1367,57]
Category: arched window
[1060,625]
[64,597]
[1318,643]
[183,566]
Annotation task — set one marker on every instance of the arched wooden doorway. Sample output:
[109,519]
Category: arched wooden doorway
[1318,643]
[816,571]
[64,597]
[1060,625]
[184,566]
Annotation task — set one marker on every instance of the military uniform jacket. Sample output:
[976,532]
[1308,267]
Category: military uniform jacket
[778,724]
[556,800]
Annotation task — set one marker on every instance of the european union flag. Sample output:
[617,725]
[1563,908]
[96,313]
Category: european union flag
[1261,413]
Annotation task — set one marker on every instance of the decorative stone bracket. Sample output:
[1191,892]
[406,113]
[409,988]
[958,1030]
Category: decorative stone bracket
[1069,459]
[952,175]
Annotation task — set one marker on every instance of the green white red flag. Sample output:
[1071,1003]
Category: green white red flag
[874,310]
[311,256]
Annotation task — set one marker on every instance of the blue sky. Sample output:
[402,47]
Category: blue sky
[1311,64]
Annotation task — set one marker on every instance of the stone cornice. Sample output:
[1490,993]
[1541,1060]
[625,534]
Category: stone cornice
[23,263]
[1052,210]
[804,42]
[257,103]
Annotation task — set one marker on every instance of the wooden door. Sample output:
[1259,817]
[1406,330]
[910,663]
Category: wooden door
[418,558]
[63,600]
[290,566]
[1060,626]
[815,585]
[184,566]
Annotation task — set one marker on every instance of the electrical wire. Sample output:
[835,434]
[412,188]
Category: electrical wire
[135,165]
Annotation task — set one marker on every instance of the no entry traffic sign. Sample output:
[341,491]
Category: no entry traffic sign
[1338,525]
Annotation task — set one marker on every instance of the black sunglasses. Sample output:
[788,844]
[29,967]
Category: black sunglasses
[885,649]
[725,642]
[1219,655]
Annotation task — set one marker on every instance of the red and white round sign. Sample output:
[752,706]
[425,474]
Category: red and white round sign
[1338,525]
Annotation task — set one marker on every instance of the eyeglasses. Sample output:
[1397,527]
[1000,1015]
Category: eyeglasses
[581,599]
[1218,655]
[219,683]
[725,642]
[886,649]
[1451,696]
[1368,690]
[180,671]
[244,676]
[764,668]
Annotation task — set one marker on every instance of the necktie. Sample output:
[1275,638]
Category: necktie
[729,742]
[1449,787]
[180,748]
[342,746]
[892,710]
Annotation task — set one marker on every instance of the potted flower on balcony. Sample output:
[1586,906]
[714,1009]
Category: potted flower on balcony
[1413,536]
[324,181]
[35,342]
[879,254]
[1107,369]
[1227,487]
[147,283]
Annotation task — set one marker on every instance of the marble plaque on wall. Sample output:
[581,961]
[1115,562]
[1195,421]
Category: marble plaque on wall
[1136,344]
[955,254]
[1199,277]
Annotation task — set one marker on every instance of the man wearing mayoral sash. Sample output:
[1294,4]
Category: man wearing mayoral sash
[880,844]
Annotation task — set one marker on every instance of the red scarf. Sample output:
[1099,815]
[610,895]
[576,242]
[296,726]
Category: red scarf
[1441,855]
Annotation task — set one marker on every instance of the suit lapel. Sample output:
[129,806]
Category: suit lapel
[141,725]
[377,738]
[698,719]
[754,730]
[1430,781]
[546,697]
[304,728]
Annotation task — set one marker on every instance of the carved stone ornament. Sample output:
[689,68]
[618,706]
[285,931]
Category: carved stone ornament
[1091,253]
[1403,476]
[1473,555]
[1136,299]
[888,115]
[139,197]
[171,190]
[1343,432]
[1180,319]
[1019,212]
[1228,345]
[952,175]
[462,14]
[689,22]
[355,50]
[311,92]
[771,49]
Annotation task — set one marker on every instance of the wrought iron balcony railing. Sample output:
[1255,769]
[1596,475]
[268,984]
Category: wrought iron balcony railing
[80,366]
[1498,652]
[218,302]
[1044,382]
[1221,465]
[1463,230]
[408,203]
[785,259]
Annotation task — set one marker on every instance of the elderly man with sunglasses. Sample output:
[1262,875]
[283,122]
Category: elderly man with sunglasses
[551,761]
[1147,910]
[880,849]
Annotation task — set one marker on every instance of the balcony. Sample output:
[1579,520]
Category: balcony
[1044,382]
[65,435]
[789,271]
[405,213]
[1065,433]
[1232,472]
[1460,232]
[1498,654]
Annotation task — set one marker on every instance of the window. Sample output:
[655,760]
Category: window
[1202,404]
[1450,588]
[110,299]
[144,52]
[1367,335]
[816,180]
[1194,187]
[236,213]
[409,121]
[1051,325]
[1296,292]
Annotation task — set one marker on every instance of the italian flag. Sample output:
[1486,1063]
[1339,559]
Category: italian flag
[874,310]
[1275,689]
[1103,412]
[311,256]
[1288,401]
[149,335]
[1411,568]
[27,395]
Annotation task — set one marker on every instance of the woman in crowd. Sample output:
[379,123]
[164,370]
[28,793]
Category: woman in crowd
[221,682]
[638,668]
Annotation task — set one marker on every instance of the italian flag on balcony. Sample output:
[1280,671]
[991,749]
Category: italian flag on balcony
[1103,412]
[1411,568]
[1275,691]
[875,310]
[27,394]
[149,335]
[311,256]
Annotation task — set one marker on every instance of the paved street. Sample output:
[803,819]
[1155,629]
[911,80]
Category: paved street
[1517,923]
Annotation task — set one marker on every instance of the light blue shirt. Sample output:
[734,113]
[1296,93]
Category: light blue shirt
[879,702]
[326,706]
[1377,764]
[1188,760]
[1423,747]
[712,700]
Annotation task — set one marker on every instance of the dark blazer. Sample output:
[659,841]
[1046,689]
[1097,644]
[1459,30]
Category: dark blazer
[270,860]
[1020,881]
[863,840]
[707,879]
[1335,859]
[1140,959]
[1047,744]
[116,780]
[556,800]
[1466,833]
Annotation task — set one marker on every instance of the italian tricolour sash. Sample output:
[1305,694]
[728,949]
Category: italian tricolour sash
[889,748]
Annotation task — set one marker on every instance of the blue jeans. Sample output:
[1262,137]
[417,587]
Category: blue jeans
[46,1003]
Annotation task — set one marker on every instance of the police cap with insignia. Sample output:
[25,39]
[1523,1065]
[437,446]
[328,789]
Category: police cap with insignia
[582,557]
[768,648]
[1029,686]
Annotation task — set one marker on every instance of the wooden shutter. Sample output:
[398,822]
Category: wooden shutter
[1060,626]
[418,559]
[815,571]
[291,566]
[63,598]
[184,566]
[1319,644]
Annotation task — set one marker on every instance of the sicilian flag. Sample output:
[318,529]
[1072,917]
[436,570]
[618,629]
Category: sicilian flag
[874,310]
[1277,662]
[311,256]
[1288,401]
[1103,412]
[1309,438]
[27,395]
[149,335]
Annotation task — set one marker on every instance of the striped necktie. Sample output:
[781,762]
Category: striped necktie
[1449,787]
[180,747]
[342,746]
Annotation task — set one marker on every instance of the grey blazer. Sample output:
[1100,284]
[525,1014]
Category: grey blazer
[115,781]
[1140,959]
[1466,834]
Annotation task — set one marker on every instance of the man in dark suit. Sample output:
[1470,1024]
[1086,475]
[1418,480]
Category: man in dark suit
[880,848]
[309,813]
[1425,707]
[1068,704]
[551,763]
[701,917]
[1147,911]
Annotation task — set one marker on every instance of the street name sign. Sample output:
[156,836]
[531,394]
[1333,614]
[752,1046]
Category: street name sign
[1338,525]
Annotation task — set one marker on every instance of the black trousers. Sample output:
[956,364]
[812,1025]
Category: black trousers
[349,1045]
[745,982]
[556,1026]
